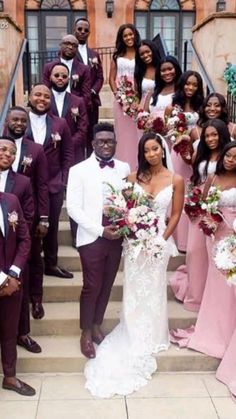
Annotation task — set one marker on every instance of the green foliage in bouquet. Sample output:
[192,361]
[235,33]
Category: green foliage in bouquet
[230,78]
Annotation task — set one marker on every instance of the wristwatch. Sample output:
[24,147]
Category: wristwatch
[13,274]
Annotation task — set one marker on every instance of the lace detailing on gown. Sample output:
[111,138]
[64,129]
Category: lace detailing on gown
[228,198]
[125,67]
[124,360]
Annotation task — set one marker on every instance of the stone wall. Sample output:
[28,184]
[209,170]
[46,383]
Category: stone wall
[214,40]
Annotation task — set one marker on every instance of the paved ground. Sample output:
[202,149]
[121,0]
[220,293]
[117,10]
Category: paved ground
[167,396]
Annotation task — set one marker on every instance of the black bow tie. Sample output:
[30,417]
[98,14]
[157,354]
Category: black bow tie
[104,163]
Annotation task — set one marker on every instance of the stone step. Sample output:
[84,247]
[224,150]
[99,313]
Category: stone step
[63,318]
[106,112]
[62,354]
[67,290]
[64,215]
[68,258]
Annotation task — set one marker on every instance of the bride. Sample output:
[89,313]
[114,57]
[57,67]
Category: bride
[124,360]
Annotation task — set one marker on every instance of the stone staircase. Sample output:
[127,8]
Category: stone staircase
[58,332]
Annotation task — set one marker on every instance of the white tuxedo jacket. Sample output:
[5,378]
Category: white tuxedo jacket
[84,198]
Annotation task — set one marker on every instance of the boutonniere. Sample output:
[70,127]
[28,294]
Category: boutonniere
[56,138]
[74,113]
[26,162]
[13,219]
[75,79]
[93,62]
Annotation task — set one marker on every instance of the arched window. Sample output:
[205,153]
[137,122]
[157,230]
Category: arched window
[165,5]
[55,4]
[167,17]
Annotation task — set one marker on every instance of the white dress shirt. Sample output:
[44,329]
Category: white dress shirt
[2,226]
[3,180]
[68,63]
[82,48]
[59,100]
[15,164]
[39,127]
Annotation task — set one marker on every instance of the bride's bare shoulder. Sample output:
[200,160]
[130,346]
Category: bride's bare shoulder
[132,177]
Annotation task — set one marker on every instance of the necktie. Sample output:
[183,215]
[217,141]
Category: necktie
[104,163]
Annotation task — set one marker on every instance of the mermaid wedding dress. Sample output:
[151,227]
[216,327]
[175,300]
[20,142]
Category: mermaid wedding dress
[124,360]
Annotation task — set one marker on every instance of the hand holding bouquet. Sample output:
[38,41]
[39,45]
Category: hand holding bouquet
[127,97]
[148,122]
[133,214]
[177,131]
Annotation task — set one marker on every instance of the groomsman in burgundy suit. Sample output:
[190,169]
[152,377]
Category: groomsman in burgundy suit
[14,252]
[73,109]
[54,135]
[31,161]
[79,73]
[70,107]
[20,186]
[98,243]
[91,58]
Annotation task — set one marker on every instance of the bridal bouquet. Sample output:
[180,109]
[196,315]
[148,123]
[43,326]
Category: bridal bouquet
[177,131]
[127,97]
[212,216]
[147,122]
[224,256]
[193,202]
[133,214]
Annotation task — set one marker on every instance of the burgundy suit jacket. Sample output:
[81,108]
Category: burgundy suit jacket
[20,186]
[82,87]
[59,157]
[16,243]
[37,171]
[96,74]
[78,124]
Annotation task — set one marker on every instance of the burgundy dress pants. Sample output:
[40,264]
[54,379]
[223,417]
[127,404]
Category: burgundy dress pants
[100,262]
[50,242]
[9,320]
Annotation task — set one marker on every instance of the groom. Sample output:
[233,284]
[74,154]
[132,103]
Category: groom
[98,243]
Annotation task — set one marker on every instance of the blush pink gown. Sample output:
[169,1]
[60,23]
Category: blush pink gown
[217,315]
[125,127]
[188,282]
[226,372]
[185,170]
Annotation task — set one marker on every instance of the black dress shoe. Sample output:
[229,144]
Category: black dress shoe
[58,271]
[21,388]
[29,344]
[37,310]
[87,348]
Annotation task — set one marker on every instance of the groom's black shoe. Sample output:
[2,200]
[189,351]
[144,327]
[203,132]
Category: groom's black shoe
[98,339]
[86,346]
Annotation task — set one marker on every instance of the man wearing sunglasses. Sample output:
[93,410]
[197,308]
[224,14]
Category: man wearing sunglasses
[90,57]
[79,74]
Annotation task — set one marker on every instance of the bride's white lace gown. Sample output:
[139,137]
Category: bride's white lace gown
[124,360]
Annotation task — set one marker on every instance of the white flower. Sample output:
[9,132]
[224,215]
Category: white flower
[204,206]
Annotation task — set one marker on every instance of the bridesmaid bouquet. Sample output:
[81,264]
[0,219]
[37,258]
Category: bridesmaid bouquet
[212,216]
[136,220]
[127,97]
[193,202]
[147,123]
[177,131]
[224,256]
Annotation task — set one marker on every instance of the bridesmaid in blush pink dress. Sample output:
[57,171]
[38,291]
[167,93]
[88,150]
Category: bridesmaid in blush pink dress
[217,316]
[189,97]
[188,282]
[123,63]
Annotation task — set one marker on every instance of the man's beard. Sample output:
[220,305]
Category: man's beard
[82,42]
[59,88]
[15,135]
[36,111]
